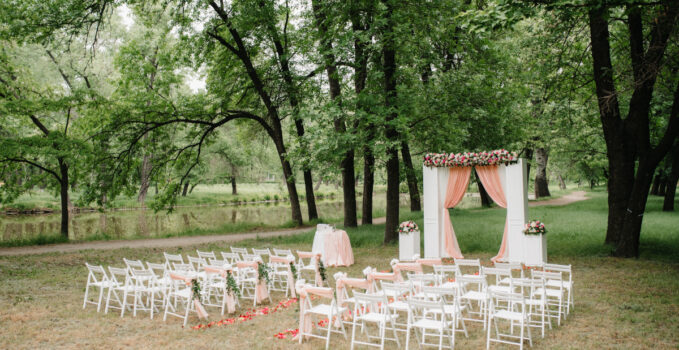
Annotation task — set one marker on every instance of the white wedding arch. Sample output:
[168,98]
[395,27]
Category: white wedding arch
[439,235]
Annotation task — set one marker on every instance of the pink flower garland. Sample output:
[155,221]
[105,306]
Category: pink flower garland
[496,157]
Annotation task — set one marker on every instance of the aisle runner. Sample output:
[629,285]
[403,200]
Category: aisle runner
[249,315]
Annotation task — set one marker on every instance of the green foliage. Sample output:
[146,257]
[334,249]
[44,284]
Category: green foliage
[231,285]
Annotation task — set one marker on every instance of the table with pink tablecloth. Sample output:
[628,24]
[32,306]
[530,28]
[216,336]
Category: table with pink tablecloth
[337,249]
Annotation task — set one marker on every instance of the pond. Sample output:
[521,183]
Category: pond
[145,223]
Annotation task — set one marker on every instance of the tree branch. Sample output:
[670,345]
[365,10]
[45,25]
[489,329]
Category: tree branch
[24,160]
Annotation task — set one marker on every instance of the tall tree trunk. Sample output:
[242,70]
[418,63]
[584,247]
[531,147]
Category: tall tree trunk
[63,193]
[287,173]
[541,184]
[671,190]
[185,190]
[347,162]
[656,184]
[562,183]
[368,185]
[662,189]
[411,177]
[628,245]
[391,134]
[234,191]
[145,173]
[486,201]
[529,158]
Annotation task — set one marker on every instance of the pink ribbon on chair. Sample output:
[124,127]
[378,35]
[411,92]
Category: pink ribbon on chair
[304,291]
[429,262]
[317,256]
[344,282]
[229,297]
[387,276]
[261,291]
[412,267]
[291,278]
[200,310]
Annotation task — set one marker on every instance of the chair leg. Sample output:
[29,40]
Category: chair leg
[490,319]
[87,290]
[407,337]
[353,333]
[101,296]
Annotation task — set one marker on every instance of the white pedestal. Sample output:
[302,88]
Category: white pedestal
[534,249]
[408,245]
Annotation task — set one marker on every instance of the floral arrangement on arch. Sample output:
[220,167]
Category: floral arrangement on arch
[496,157]
[408,227]
[535,227]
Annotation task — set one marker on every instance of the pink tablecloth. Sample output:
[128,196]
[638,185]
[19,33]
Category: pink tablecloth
[338,249]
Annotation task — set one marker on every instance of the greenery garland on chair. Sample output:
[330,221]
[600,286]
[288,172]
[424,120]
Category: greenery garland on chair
[293,269]
[231,285]
[321,270]
[263,273]
[195,289]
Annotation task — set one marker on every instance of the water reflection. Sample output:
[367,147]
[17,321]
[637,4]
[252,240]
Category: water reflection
[146,223]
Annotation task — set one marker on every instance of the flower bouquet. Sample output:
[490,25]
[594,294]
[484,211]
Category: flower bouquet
[535,227]
[408,227]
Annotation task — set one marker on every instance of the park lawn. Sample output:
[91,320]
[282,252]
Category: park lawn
[620,303]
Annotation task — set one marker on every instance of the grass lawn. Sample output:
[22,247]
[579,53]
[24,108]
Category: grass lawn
[619,303]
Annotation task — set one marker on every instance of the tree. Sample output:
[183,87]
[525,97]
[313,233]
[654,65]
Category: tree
[672,178]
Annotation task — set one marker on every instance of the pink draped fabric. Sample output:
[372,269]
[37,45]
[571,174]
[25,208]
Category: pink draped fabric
[386,276]
[305,291]
[261,291]
[490,178]
[200,310]
[458,180]
[344,282]
[429,262]
[412,267]
[291,278]
[317,256]
[338,249]
[229,298]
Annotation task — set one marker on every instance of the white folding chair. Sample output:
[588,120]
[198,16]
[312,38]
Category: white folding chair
[398,293]
[372,308]
[171,259]
[160,271]
[96,278]
[447,275]
[239,251]
[495,276]
[512,308]
[215,290]
[511,266]
[304,267]
[206,255]
[567,273]
[469,267]
[282,252]
[278,277]
[197,262]
[231,258]
[324,311]
[555,293]
[146,291]
[450,297]
[474,292]
[179,292]
[427,319]
[121,284]
[134,264]
[536,299]
[262,253]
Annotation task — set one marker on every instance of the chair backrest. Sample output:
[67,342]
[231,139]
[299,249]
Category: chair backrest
[507,301]
[396,288]
[373,302]
[466,283]
[220,263]
[119,276]
[422,279]
[197,262]
[95,273]
[171,259]
[494,274]
[232,258]
[566,270]
[262,252]
[426,310]
[251,257]
[446,272]
[143,277]
[185,268]
[134,264]
[282,252]
[206,255]
[239,250]
[547,275]
[470,266]
[157,269]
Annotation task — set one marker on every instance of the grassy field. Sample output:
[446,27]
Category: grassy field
[620,303]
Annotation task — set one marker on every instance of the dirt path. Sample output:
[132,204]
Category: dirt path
[193,240]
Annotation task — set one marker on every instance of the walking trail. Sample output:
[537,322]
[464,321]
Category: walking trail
[225,238]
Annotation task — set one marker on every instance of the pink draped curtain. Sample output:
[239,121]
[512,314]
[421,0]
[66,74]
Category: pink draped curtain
[490,178]
[458,180]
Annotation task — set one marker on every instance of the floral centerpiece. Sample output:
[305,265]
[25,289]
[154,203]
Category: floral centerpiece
[408,227]
[496,157]
[535,227]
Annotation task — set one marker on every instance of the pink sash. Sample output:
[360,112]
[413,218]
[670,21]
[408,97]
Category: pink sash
[200,310]
[291,278]
[312,255]
[261,291]
[304,291]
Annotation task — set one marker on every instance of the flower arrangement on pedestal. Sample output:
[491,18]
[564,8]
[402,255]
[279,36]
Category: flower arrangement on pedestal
[535,227]
[408,227]
[496,157]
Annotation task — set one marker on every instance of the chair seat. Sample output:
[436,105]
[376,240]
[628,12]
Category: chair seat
[104,284]
[376,317]
[324,309]
[184,293]
[281,273]
[475,295]
[449,284]
[448,309]
[431,324]
[502,289]
[219,285]
[508,315]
